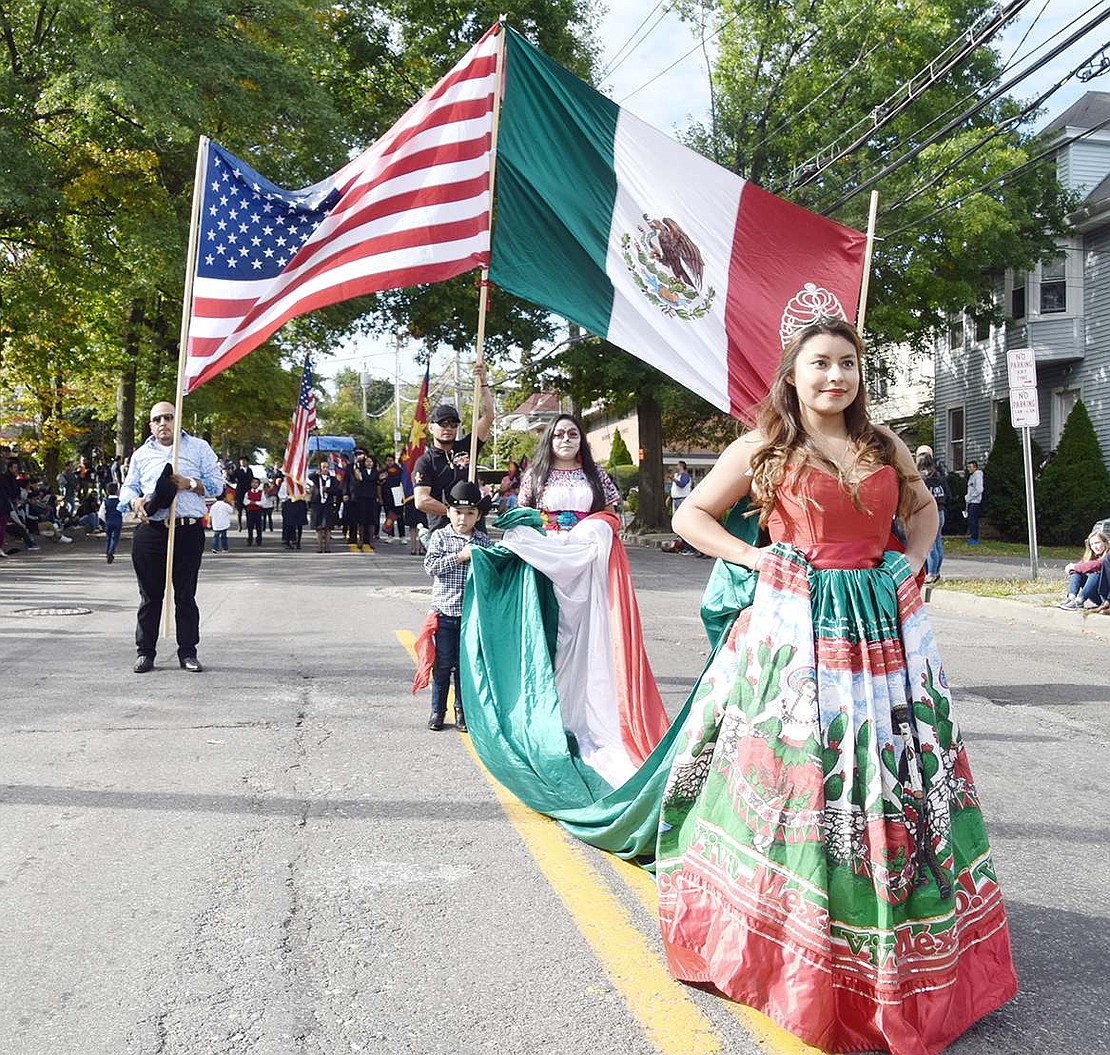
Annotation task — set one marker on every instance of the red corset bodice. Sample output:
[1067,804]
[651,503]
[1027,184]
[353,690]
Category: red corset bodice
[815,515]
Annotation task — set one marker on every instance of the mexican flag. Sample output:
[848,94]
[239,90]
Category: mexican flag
[560,699]
[618,228]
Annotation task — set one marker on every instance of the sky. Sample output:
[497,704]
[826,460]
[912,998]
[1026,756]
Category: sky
[658,72]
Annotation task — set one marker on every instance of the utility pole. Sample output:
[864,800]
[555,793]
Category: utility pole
[397,344]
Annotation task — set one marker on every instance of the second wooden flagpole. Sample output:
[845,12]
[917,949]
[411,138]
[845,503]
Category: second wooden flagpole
[865,284]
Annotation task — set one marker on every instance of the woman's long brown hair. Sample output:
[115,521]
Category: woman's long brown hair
[786,443]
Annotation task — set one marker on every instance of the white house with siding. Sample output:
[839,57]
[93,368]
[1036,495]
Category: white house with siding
[1060,309]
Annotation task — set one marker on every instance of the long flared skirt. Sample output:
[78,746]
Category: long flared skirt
[822,855]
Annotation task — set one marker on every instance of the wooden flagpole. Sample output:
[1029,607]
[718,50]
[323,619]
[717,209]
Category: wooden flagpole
[179,399]
[483,294]
[865,284]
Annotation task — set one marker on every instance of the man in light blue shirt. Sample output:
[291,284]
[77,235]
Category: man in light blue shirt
[147,492]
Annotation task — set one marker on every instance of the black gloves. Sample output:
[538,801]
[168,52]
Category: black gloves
[165,491]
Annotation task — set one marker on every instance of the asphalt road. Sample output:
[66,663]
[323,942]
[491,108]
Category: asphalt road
[275,856]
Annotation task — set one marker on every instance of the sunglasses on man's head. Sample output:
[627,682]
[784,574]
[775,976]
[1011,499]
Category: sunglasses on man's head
[155,418]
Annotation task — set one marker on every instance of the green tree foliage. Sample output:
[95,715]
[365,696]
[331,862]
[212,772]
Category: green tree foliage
[619,454]
[513,445]
[796,80]
[1073,492]
[1004,481]
[101,106]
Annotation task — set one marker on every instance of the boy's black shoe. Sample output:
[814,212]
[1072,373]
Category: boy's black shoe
[460,720]
[435,722]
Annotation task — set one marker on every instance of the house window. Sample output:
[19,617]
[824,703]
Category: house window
[955,437]
[983,329]
[1063,402]
[956,333]
[1054,286]
[1017,296]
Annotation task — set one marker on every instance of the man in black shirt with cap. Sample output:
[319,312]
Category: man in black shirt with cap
[446,460]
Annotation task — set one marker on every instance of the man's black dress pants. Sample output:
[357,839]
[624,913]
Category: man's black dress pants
[148,555]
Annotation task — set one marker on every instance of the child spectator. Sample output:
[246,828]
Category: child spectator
[446,562]
[253,506]
[112,519]
[1089,578]
[219,515]
[269,491]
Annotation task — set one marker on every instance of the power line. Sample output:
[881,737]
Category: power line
[1010,64]
[994,134]
[682,58]
[609,66]
[970,112]
[1025,36]
[955,53]
[1001,178]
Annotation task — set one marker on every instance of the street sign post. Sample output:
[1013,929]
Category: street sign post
[1025,414]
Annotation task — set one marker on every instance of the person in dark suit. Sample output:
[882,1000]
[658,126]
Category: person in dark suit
[324,495]
[242,478]
[363,508]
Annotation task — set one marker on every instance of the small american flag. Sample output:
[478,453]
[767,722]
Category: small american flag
[295,463]
[413,208]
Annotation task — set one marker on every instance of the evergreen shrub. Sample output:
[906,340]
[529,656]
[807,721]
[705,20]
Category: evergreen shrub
[1074,489]
[1004,481]
[625,477]
[619,454]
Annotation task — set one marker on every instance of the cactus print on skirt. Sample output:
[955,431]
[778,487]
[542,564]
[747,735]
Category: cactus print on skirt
[822,856]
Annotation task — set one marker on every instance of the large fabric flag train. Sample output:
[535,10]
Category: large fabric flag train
[600,218]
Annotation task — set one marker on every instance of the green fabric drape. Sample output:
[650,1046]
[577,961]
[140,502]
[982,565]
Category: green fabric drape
[509,626]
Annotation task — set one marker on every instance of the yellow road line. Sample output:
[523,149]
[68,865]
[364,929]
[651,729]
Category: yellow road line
[671,1020]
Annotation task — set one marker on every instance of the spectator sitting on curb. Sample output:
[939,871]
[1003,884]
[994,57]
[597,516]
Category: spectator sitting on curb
[1089,578]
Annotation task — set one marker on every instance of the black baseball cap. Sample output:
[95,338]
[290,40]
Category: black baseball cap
[444,412]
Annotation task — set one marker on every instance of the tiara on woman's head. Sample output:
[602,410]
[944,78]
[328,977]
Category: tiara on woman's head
[811,306]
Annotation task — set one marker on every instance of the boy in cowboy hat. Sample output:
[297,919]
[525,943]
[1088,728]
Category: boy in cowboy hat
[446,562]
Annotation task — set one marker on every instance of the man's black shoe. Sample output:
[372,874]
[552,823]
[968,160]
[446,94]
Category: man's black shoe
[190,663]
[143,664]
[435,722]
[460,721]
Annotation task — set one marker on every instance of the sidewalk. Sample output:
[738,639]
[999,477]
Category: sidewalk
[1033,609]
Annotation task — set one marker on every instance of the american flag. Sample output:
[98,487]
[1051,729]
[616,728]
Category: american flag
[413,208]
[295,463]
[418,436]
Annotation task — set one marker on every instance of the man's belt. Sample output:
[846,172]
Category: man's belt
[179,521]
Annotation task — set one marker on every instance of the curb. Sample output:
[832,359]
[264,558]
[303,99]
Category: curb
[1017,612]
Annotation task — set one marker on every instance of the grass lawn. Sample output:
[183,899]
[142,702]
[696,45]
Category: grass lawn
[958,547]
[1051,591]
